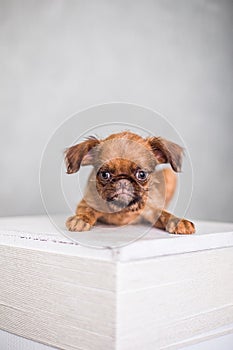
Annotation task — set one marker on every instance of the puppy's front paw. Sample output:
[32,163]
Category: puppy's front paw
[180,226]
[75,223]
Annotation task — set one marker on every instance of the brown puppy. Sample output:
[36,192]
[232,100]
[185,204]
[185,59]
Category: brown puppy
[124,187]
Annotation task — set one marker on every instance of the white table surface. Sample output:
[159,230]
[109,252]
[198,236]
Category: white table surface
[110,242]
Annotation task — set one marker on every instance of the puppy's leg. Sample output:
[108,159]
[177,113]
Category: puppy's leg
[84,219]
[168,222]
[173,224]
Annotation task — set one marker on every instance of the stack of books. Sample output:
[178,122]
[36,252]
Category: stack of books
[97,291]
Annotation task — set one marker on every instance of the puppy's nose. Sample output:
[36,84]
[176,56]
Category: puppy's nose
[124,184]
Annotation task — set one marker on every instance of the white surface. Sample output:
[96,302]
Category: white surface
[221,343]
[175,300]
[37,232]
[10,341]
[145,295]
[58,299]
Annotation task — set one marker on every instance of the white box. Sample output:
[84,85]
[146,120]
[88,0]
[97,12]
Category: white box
[160,292]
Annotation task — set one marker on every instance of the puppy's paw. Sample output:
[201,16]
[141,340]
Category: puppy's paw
[180,226]
[75,223]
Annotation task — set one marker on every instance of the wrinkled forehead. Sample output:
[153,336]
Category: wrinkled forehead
[127,150]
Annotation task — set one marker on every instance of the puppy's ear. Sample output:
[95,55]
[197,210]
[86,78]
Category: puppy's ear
[80,154]
[166,152]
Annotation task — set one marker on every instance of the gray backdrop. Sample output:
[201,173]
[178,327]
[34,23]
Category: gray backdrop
[58,57]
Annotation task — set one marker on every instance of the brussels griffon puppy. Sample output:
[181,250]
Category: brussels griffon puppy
[124,186]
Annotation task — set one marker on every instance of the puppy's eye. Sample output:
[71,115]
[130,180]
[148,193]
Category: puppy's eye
[105,175]
[141,175]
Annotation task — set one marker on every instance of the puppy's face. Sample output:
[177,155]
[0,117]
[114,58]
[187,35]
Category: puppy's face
[123,184]
[123,166]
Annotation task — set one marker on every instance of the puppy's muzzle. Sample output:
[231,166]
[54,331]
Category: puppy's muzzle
[123,190]
[124,186]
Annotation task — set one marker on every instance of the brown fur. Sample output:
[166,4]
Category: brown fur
[124,187]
